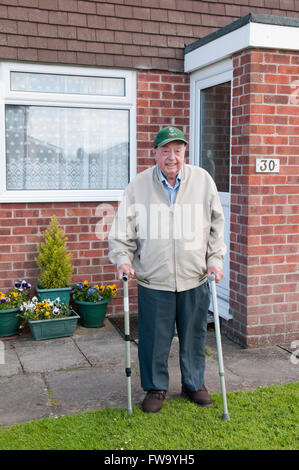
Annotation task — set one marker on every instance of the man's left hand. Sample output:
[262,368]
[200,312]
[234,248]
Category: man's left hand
[217,271]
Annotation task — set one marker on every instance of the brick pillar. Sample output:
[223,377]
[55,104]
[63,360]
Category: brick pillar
[264,207]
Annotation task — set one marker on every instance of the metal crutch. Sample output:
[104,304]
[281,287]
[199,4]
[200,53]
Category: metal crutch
[125,279]
[212,282]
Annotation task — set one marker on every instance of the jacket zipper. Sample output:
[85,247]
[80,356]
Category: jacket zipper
[173,254]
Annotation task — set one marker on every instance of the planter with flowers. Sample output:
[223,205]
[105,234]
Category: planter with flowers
[49,318]
[92,302]
[55,265]
[10,308]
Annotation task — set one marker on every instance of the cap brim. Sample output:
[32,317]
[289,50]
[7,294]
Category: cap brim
[171,139]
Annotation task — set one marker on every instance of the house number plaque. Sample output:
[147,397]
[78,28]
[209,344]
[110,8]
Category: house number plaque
[267,165]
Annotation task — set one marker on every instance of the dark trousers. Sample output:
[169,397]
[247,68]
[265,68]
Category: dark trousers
[158,313]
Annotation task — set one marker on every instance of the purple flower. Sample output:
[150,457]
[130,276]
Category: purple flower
[21,285]
[26,285]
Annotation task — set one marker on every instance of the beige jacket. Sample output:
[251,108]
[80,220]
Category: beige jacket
[170,247]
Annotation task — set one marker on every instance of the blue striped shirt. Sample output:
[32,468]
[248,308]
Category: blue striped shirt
[171,190]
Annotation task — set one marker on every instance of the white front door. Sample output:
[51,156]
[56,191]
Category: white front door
[210,147]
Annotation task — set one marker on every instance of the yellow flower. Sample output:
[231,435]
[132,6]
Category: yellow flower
[15,294]
[2,295]
[85,283]
[101,289]
[47,313]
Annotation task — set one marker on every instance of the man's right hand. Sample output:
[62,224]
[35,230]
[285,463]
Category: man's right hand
[125,269]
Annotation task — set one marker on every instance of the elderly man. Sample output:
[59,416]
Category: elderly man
[168,233]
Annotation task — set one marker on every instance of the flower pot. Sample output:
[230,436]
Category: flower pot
[92,314]
[9,322]
[63,293]
[54,328]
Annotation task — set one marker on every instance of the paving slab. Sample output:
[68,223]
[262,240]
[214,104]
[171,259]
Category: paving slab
[10,365]
[23,398]
[52,354]
[104,347]
[262,366]
[80,390]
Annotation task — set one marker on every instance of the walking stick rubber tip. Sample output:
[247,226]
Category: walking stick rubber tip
[225,417]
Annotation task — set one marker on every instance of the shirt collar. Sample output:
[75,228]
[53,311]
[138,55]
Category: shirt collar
[164,180]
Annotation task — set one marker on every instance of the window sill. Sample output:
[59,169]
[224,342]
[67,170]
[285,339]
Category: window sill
[61,196]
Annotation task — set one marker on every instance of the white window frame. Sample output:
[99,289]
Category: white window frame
[7,96]
[204,78]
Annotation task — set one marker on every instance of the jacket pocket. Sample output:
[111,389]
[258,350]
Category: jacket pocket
[152,259]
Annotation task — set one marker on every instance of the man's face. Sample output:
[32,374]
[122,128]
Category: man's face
[170,158]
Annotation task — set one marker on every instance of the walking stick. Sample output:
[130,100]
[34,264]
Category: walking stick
[127,340]
[225,415]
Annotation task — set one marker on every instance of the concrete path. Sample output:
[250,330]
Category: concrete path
[86,372]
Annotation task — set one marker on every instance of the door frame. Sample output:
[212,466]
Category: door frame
[206,77]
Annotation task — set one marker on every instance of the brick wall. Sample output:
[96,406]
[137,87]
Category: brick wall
[163,99]
[147,34]
[264,208]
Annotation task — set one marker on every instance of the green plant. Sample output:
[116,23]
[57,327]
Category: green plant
[54,260]
[85,292]
[45,310]
[16,296]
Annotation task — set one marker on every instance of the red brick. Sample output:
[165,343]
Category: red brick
[288,110]
[277,58]
[274,78]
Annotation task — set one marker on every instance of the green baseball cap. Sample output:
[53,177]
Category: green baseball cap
[168,134]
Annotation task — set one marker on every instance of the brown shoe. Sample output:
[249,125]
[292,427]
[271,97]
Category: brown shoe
[153,401]
[200,397]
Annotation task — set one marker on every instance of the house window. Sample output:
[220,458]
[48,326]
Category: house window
[69,133]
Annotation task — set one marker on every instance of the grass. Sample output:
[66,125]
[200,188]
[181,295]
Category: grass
[264,419]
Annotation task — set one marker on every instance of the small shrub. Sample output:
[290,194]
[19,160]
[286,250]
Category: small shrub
[54,260]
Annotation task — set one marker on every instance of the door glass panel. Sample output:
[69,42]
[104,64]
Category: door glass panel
[215,133]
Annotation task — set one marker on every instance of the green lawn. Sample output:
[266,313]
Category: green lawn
[266,418]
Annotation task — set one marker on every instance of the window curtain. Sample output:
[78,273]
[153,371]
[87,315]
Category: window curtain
[55,148]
